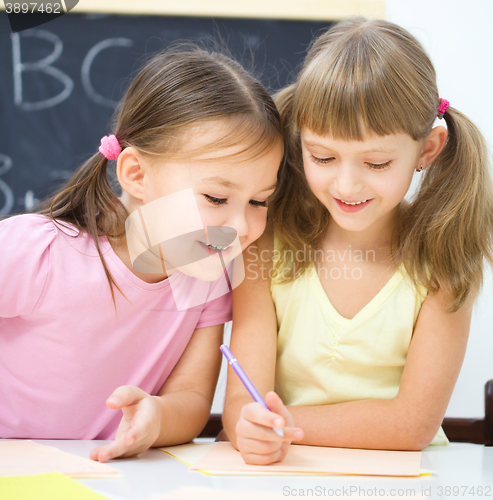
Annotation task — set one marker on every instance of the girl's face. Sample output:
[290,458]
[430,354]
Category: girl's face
[361,183]
[229,192]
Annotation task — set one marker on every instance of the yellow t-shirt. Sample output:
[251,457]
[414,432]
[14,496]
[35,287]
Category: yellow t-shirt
[324,358]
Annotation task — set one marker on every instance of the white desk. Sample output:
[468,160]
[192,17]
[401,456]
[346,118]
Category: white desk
[155,472]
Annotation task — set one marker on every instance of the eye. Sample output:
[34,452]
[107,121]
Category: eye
[256,203]
[215,201]
[379,166]
[321,161]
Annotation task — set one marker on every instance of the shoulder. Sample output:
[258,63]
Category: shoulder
[34,233]
[413,282]
[444,302]
[36,229]
[437,317]
[27,222]
[25,242]
[30,239]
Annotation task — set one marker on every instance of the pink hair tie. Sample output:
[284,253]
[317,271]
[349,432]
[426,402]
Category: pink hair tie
[442,107]
[110,147]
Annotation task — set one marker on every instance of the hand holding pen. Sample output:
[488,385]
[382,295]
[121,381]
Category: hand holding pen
[266,428]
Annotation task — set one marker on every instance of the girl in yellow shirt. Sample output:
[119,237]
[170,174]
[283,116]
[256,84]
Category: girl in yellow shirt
[356,305]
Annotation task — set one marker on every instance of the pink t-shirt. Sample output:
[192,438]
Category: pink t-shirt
[63,349]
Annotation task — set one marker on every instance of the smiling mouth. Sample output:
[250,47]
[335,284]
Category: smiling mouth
[217,248]
[353,202]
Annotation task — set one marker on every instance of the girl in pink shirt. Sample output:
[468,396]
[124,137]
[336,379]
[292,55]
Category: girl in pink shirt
[115,301]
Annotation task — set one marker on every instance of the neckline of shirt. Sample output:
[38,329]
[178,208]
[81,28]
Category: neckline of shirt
[112,258]
[374,303]
[108,251]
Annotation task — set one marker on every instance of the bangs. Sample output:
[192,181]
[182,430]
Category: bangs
[352,90]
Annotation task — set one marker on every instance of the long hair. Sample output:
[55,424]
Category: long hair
[183,86]
[371,76]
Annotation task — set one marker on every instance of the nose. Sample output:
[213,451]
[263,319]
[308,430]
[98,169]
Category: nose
[239,222]
[348,182]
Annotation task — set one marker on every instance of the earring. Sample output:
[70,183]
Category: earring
[420,168]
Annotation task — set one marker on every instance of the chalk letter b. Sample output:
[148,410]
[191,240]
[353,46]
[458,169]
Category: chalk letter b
[44,66]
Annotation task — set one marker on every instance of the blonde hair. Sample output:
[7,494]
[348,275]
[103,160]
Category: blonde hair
[183,86]
[373,76]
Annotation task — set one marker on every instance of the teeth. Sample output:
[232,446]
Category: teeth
[217,248]
[354,202]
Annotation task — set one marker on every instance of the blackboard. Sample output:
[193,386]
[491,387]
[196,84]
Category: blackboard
[60,82]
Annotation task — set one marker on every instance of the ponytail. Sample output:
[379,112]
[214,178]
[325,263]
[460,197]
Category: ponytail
[88,202]
[449,227]
[180,87]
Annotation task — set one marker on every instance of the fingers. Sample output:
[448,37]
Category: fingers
[261,452]
[275,404]
[254,431]
[264,451]
[104,453]
[118,448]
[257,441]
[130,442]
[256,459]
[143,427]
[139,427]
[125,395]
[278,416]
[257,414]
[292,434]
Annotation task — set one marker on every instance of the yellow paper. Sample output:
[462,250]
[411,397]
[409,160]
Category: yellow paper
[22,458]
[190,452]
[318,460]
[45,487]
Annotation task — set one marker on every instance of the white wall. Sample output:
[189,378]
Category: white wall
[458,35]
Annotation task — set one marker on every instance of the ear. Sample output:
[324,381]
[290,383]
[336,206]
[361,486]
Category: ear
[433,146]
[130,170]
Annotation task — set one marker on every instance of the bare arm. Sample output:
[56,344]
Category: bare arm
[407,422]
[254,334]
[188,392]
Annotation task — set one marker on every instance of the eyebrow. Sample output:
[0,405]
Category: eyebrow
[378,150]
[219,181]
[374,150]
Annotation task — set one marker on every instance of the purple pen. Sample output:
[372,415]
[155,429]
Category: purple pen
[246,381]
